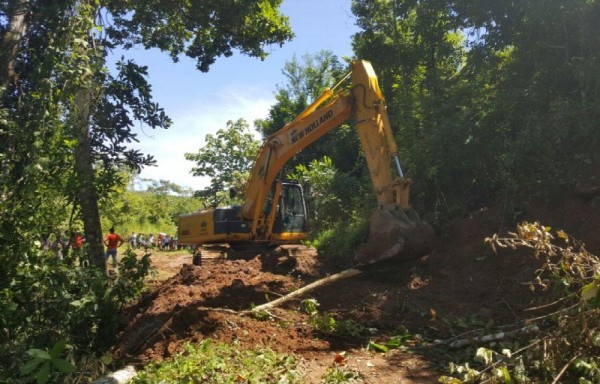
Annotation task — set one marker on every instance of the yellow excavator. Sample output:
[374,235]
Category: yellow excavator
[274,212]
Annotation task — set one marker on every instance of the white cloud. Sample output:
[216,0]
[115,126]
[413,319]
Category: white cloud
[192,121]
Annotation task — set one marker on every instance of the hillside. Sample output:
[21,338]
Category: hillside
[461,285]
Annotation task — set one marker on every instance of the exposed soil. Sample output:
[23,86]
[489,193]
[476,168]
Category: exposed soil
[460,285]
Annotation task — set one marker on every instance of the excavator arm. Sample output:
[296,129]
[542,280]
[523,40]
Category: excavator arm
[366,106]
[283,145]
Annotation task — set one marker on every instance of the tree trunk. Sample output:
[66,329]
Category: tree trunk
[88,195]
[9,48]
[308,288]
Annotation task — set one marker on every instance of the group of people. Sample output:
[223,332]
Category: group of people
[163,241]
[113,241]
[64,246]
[70,246]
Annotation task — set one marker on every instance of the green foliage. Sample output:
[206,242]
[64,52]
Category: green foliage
[130,281]
[568,345]
[203,31]
[154,210]
[328,324]
[207,362]
[340,374]
[306,80]
[486,102]
[317,180]
[339,242]
[338,224]
[44,365]
[227,159]
[62,107]
[44,300]
[397,341]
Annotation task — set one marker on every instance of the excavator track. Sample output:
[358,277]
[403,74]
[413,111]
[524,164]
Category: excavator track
[216,253]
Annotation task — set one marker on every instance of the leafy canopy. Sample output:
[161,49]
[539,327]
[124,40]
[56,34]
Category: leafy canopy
[226,158]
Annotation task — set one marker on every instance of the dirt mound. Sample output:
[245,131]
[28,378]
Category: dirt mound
[462,284]
[183,309]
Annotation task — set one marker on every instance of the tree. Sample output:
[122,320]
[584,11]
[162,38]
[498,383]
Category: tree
[200,30]
[226,158]
[56,53]
[548,88]
[65,125]
[307,78]
[153,210]
[11,41]
[488,98]
[417,50]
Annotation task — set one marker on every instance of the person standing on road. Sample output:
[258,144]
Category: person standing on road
[151,241]
[112,242]
[133,240]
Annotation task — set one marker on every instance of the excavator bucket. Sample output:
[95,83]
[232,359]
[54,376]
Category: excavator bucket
[395,233]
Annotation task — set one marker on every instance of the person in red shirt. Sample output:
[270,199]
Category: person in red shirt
[77,246]
[77,242]
[112,242]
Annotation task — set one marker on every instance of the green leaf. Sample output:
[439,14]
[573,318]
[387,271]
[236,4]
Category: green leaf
[376,347]
[589,291]
[63,365]
[30,366]
[484,355]
[582,364]
[76,303]
[44,374]
[58,348]
[393,343]
[503,374]
[106,359]
[39,354]
[449,380]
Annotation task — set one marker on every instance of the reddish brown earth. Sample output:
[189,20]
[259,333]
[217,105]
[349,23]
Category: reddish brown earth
[460,285]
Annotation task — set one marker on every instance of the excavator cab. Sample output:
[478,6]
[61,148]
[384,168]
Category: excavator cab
[225,225]
[291,211]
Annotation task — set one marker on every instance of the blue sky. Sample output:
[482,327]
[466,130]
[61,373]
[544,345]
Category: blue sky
[235,87]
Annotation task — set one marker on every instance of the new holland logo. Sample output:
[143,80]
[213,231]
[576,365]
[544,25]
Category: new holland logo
[297,135]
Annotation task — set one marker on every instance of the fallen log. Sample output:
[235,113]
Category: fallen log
[487,338]
[306,289]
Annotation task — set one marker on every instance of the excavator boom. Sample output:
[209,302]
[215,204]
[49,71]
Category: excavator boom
[366,106]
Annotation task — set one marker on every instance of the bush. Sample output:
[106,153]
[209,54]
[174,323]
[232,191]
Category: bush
[567,348]
[44,301]
[222,363]
[339,243]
